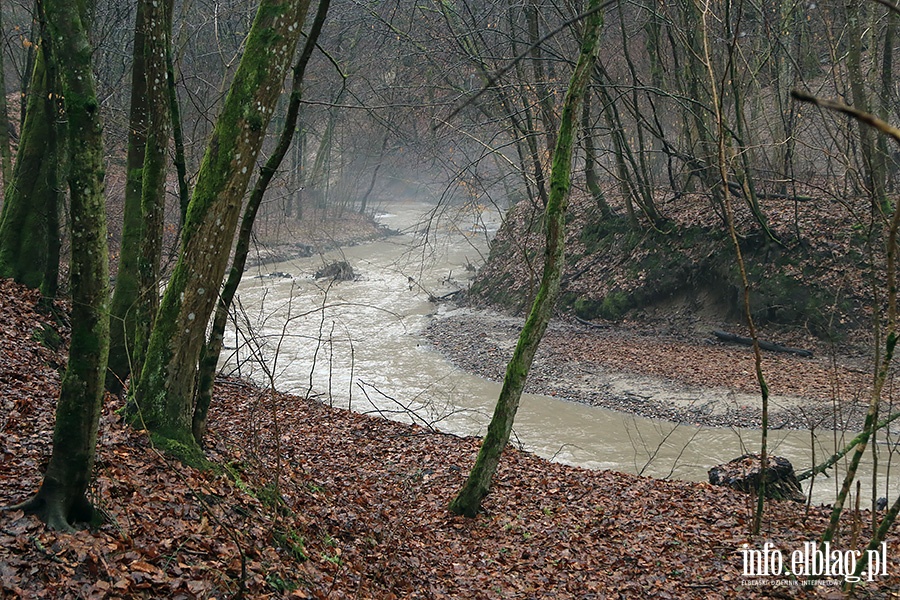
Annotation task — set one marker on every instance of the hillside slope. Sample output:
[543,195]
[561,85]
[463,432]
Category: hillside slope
[309,501]
[815,280]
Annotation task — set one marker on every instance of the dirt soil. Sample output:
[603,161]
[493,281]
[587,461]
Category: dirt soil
[658,357]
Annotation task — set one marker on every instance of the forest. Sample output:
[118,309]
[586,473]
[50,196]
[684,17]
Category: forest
[677,168]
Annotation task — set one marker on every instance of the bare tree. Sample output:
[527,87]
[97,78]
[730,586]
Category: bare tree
[468,500]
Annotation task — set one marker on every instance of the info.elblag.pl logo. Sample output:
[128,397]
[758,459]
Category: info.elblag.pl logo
[811,561]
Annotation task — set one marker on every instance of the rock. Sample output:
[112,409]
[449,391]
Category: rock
[743,474]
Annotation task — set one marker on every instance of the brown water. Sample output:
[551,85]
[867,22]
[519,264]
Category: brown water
[358,345]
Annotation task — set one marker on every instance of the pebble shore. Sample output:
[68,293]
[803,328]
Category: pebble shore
[697,382]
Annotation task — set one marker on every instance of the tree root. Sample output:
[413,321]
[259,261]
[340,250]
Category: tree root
[56,513]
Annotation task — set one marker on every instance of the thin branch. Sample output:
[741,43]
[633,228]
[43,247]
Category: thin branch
[495,77]
[860,115]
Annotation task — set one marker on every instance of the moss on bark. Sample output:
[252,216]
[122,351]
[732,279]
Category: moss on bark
[61,499]
[164,394]
[29,224]
[468,500]
[126,296]
[209,356]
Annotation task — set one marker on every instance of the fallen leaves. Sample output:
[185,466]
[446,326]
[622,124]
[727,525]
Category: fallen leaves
[341,505]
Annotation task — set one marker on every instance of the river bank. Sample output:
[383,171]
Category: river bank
[286,239]
[310,501]
[681,375]
[359,344]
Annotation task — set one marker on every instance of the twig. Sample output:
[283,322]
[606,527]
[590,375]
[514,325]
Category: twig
[495,77]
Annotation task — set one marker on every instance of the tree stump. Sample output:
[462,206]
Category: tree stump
[743,474]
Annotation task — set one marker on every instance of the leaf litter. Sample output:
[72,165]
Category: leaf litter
[309,501]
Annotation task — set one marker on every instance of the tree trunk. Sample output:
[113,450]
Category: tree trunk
[319,175]
[873,160]
[164,395]
[136,296]
[180,159]
[614,123]
[61,500]
[468,501]
[364,198]
[5,152]
[29,224]
[590,160]
[209,357]
[526,122]
[540,79]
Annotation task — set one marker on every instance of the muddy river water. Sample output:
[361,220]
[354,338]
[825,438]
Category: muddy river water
[359,345]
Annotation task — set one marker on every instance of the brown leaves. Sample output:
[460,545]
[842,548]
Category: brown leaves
[355,507]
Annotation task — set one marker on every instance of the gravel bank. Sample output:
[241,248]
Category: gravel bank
[685,379]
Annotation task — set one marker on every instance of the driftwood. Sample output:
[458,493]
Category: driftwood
[742,474]
[447,296]
[739,339]
[339,270]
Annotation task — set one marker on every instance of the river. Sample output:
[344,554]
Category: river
[359,345]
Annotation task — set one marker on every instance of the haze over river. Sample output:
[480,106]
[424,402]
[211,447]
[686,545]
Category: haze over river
[359,345]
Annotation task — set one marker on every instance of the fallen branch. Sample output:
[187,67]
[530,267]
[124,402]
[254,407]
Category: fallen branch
[446,296]
[737,189]
[739,339]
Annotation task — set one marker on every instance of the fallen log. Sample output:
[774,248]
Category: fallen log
[590,324]
[743,474]
[739,339]
[447,296]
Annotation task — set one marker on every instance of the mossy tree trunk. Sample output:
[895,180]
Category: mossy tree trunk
[209,357]
[153,183]
[468,500]
[61,499]
[29,224]
[180,158]
[164,394]
[136,299]
[5,151]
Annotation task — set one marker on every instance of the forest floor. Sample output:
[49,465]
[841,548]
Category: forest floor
[309,501]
